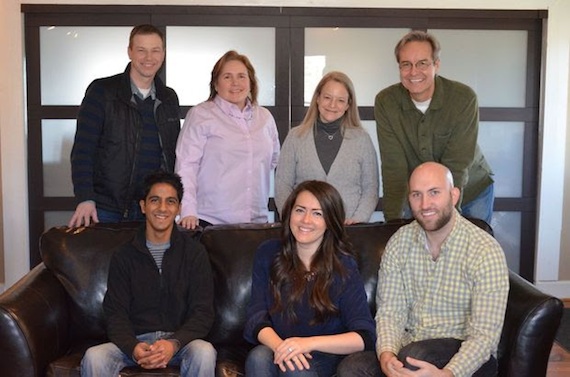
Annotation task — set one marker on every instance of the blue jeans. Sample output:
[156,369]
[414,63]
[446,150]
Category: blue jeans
[196,359]
[259,363]
[135,214]
[482,206]
[435,351]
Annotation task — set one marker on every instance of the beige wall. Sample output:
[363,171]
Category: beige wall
[564,270]
[551,271]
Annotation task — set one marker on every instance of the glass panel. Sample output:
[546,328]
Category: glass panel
[502,145]
[71,57]
[370,126]
[371,67]
[56,218]
[193,51]
[492,62]
[507,229]
[57,136]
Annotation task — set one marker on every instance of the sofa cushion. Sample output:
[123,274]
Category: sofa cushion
[79,258]
[231,249]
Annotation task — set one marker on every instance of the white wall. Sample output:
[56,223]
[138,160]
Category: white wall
[554,133]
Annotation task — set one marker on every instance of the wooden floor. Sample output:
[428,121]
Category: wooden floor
[559,362]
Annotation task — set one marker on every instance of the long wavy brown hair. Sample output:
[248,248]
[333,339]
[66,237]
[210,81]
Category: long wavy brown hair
[289,275]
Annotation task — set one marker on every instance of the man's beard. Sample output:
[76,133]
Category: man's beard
[442,221]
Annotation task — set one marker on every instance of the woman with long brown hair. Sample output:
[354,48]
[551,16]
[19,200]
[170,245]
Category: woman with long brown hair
[308,307]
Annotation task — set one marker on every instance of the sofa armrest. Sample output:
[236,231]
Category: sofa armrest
[33,324]
[531,321]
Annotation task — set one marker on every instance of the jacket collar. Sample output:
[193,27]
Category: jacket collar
[139,241]
[126,92]
[436,100]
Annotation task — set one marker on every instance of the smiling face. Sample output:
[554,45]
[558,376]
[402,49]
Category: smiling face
[333,101]
[161,206]
[147,55]
[233,83]
[420,83]
[432,196]
[307,223]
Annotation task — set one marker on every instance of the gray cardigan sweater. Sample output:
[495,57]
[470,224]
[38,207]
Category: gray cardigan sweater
[354,172]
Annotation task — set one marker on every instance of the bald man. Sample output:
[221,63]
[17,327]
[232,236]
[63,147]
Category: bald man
[442,291]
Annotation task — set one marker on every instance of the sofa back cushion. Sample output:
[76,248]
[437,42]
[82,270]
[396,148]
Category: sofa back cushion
[80,258]
[232,248]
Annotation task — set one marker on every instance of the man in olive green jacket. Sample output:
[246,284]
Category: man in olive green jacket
[424,118]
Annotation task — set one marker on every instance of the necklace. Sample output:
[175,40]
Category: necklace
[310,275]
[329,136]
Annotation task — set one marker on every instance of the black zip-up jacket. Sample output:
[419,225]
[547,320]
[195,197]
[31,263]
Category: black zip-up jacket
[140,300]
[108,137]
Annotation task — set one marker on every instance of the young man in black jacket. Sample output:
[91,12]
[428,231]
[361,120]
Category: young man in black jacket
[127,127]
[159,301]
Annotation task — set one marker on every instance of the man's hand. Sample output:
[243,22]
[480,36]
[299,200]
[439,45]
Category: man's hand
[84,212]
[156,355]
[391,366]
[426,369]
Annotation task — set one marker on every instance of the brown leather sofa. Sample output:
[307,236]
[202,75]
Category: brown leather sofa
[54,313]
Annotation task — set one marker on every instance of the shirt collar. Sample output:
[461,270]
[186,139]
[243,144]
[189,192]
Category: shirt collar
[232,110]
[137,92]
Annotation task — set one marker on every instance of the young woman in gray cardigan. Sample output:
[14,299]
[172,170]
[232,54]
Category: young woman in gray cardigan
[331,145]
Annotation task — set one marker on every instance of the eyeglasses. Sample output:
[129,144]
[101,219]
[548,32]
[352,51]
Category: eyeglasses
[421,65]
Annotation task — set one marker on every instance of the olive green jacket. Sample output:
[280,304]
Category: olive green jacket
[446,133]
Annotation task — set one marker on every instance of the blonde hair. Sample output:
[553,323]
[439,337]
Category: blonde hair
[351,117]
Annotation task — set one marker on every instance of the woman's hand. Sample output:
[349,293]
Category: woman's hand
[189,222]
[293,354]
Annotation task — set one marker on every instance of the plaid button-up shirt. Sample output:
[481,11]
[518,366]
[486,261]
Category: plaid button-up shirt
[462,294]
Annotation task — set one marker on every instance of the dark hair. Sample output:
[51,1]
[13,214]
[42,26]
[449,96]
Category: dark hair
[289,272]
[162,176]
[229,56]
[419,36]
[146,29]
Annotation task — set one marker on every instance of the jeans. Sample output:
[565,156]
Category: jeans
[135,214]
[435,351]
[482,206]
[196,359]
[259,363]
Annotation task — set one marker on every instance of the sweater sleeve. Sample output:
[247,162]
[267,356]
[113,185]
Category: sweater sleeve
[354,309]
[200,311]
[90,120]
[116,306]
[258,310]
[286,170]
[368,180]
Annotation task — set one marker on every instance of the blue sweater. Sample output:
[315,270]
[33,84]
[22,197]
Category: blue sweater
[347,295]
